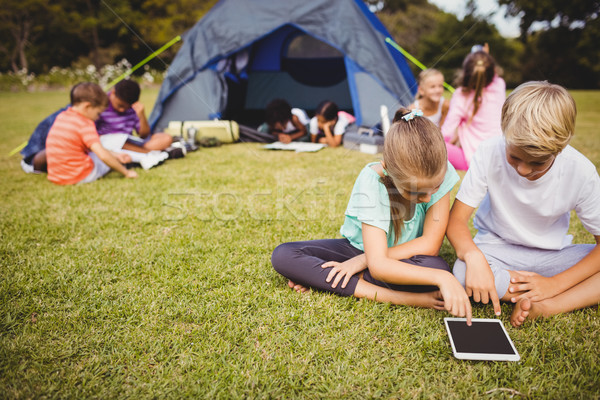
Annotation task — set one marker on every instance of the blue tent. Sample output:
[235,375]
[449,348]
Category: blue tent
[244,53]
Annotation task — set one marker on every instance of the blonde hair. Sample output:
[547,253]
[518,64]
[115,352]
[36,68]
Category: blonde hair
[426,73]
[412,149]
[539,118]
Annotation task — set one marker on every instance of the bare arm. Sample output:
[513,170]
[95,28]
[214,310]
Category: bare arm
[393,271]
[111,161]
[330,139]
[144,126]
[429,243]
[298,125]
[479,280]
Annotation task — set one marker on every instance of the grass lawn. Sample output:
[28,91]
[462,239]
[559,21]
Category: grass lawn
[162,287]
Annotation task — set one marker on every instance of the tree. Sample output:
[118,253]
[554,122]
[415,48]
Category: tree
[19,28]
[565,50]
[566,13]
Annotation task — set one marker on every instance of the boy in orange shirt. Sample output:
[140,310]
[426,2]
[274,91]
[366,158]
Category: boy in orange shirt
[73,148]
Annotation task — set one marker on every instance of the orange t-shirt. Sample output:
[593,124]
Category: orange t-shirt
[67,147]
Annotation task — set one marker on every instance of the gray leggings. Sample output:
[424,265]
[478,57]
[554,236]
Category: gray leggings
[510,257]
[301,263]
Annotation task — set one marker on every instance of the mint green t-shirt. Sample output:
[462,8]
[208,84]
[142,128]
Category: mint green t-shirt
[370,203]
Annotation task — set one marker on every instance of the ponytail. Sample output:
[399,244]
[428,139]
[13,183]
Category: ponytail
[478,72]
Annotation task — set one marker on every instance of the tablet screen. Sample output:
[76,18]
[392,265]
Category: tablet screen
[485,339]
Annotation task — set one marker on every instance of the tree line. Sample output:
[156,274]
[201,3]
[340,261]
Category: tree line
[558,40]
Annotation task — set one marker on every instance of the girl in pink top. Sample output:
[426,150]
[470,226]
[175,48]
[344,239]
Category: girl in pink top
[475,108]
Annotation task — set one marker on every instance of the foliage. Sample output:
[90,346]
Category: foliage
[442,41]
[162,287]
[98,32]
[566,13]
[67,77]
[565,50]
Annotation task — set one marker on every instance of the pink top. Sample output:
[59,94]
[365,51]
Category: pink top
[485,124]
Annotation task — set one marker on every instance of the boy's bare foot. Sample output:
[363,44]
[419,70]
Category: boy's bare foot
[520,312]
[298,288]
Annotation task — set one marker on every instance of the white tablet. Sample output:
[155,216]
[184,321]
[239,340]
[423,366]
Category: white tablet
[485,339]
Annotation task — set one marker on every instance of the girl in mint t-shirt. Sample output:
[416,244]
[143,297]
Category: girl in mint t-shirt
[394,226]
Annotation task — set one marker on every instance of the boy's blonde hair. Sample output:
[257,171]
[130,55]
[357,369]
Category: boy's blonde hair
[539,118]
[412,149]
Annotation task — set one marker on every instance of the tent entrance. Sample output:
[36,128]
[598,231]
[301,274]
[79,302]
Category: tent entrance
[295,66]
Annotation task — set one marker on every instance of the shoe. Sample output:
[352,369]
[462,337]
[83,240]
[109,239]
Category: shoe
[27,167]
[176,150]
[153,158]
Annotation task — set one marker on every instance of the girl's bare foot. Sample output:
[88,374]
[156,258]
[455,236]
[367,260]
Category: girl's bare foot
[298,288]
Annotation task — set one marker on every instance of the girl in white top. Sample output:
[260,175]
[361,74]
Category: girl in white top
[329,124]
[430,96]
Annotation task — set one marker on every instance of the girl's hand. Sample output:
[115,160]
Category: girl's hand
[456,301]
[344,270]
[533,286]
[131,174]
[479,280]
[455,141]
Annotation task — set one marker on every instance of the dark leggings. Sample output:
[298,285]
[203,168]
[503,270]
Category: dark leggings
[301,263]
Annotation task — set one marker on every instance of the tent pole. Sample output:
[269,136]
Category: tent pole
[414,60]
[144,61]
[114,82]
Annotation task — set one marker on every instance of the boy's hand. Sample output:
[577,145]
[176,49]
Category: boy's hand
[131,174]
[534,286]
[138,108]
[479,280]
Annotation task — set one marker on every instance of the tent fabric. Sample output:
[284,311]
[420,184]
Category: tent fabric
[196,88]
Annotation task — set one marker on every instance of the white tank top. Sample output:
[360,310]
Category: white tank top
[437,117]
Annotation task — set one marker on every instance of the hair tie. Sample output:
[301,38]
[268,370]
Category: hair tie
[480,62]
[410,115]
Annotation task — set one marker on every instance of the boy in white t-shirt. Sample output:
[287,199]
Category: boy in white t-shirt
[526,184]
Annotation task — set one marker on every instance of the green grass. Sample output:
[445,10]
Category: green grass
[162,287]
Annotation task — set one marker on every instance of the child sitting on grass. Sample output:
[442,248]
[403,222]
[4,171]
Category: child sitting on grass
[125,115]
[73,149]
[394,226]
[526,184]
[430,96]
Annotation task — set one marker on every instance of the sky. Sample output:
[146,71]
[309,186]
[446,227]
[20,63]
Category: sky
[507,26]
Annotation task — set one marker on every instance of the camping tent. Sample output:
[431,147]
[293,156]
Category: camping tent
[244,53]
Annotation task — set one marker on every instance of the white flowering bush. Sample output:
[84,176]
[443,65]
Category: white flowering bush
[67,77]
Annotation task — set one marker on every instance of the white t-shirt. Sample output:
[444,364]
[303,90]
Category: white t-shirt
[536,213]
[340,126]
[302,117]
